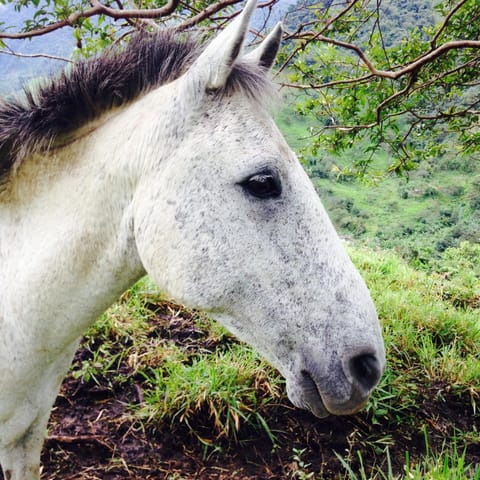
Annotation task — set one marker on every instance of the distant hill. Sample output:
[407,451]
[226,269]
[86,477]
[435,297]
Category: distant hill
[15,71]
[398,18]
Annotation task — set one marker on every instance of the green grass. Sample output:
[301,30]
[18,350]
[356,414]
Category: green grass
[218,389]
[449,464]
[225,386]
[431,339]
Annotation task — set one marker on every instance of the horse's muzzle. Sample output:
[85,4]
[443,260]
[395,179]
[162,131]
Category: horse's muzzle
[343,390]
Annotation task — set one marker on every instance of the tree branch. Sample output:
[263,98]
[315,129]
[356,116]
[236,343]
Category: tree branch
[167,9]
[409,68]
[315,36]
[446,115]
[392,97]
[433,41]
[11,52]
[333,83]
[443,75]
[38,32]
[97,9]
[212,9]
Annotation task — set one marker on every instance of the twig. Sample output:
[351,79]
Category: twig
[69,439]
[333,83]
[315,36]
[392,97]
[214,8]
[34,55]
[167,9]
[442,115]
[139,392]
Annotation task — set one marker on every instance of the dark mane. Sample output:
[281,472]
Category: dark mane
[33,122]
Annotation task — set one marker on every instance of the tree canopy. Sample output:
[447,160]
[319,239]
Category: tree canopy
[402,74]
[399,75]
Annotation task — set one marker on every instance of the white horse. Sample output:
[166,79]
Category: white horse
[162,158]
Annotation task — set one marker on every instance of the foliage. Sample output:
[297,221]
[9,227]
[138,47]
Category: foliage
[422,215]
[461,267]
[392,76]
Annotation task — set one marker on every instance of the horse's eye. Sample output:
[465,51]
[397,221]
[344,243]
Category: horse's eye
[263,185]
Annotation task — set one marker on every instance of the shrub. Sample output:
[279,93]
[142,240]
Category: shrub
[430,191]
[475,200]
[456,190]
[460,266]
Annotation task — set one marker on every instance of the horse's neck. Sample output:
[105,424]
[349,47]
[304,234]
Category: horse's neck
[67,242]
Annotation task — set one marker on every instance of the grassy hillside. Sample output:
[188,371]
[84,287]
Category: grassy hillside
[420,216]
[157,391]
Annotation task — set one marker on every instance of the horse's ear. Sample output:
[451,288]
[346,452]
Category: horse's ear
[265,54]
[214,65]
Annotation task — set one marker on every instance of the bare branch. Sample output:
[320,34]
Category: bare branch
[38,32]
[333,83]
[212,9]
[167,9]
[34,55]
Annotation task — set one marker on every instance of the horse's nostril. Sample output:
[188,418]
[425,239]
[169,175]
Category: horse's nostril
[366,370]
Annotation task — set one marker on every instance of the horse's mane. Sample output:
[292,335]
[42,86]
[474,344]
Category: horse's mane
[33,121]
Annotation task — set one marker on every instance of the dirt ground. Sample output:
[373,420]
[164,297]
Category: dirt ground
[93,436]
[89,438]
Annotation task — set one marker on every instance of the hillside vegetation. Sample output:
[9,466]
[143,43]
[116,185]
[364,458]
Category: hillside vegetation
[420,215]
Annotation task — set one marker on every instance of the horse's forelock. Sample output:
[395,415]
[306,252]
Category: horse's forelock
[251,80]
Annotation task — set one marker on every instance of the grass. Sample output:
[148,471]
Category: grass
[448,464]
[195,376]
[432,350]
[445,466]
[200,372]
[226,386]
